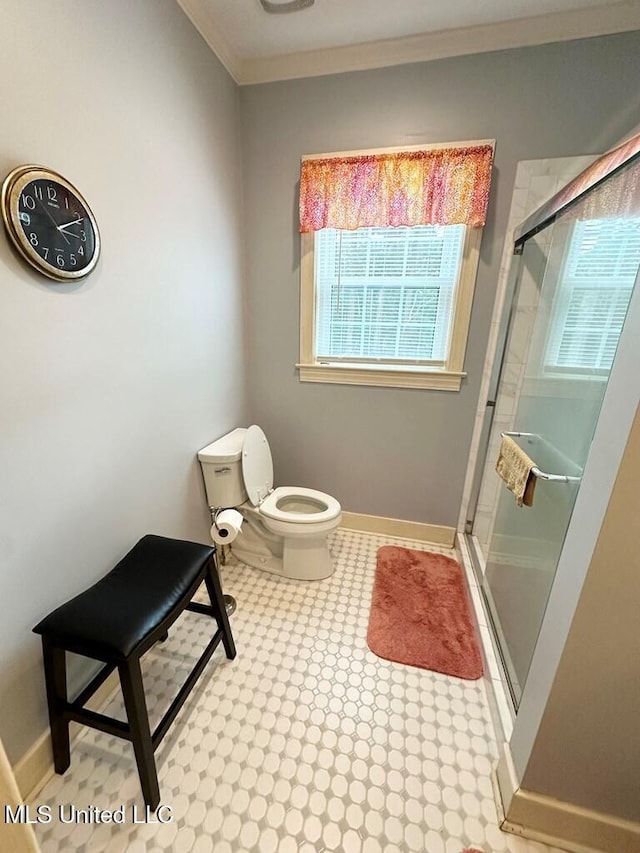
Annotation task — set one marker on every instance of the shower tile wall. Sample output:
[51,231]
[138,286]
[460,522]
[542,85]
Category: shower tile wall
[535,182]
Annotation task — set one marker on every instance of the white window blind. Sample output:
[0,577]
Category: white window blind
[386,294]
[593,295]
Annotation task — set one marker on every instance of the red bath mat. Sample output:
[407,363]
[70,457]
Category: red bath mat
[420,613]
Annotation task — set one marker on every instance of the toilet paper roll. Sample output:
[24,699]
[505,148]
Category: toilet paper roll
[226,526]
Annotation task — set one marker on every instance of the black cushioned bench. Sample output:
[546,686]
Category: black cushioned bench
[116,621]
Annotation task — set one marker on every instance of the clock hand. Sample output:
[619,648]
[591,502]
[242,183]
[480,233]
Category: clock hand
[69,224]
[53,220]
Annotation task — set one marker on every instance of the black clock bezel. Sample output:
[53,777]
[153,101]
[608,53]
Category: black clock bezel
[12,187]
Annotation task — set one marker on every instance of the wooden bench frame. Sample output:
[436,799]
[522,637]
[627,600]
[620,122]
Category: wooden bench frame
[136,729]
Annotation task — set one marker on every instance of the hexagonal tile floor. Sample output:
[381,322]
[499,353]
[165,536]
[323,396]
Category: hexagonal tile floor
[306,742]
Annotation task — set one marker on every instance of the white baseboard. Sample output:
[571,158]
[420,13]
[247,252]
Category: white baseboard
[35,768]
[436,534]
[558,823]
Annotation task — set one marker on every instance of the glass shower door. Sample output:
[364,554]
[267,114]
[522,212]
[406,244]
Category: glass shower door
[574,282]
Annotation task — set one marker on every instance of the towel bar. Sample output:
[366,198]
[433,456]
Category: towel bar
[542,475]
[554,478]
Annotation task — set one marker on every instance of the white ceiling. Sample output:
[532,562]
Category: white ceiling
[344,35]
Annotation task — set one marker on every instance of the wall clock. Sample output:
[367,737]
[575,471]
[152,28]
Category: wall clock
[50,223]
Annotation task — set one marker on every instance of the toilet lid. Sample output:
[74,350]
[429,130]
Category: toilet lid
[257,465]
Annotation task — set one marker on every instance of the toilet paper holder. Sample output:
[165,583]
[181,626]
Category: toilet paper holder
[230,603]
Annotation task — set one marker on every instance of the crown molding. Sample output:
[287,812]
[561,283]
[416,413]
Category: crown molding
[198,14]
[523,32]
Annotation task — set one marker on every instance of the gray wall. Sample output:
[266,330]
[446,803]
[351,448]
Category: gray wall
[108,387]
[391,452]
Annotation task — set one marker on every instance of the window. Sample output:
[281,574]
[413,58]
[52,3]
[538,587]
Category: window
[386,304]
[592,298]
[386,293]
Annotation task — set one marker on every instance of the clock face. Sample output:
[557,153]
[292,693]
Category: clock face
[50,223]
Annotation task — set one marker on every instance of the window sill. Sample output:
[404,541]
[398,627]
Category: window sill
[436,380]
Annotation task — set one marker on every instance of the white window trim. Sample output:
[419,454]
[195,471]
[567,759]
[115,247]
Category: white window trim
[400,149]
[448,378]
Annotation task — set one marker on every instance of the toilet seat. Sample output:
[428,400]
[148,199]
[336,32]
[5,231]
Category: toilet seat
[291,504]
[257,465]
[318,506]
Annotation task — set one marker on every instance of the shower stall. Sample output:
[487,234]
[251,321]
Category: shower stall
[575,264]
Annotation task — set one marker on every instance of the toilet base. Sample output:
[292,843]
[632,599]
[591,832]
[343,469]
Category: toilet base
[299,557]
[301,560]
[307,559]
[264,562]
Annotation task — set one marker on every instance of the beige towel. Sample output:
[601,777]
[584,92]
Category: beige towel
[514,466]
[14,837]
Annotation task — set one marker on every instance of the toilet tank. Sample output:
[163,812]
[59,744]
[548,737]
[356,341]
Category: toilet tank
[221,463]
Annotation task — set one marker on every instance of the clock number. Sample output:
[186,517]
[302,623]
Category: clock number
[60,260]
[80,250]
[33,239]
[51,192]
[83,236]
[28,201]
[24,217]
[37,191]
[45,249]
[73,260]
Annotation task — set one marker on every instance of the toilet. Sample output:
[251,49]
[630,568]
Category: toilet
[284,530]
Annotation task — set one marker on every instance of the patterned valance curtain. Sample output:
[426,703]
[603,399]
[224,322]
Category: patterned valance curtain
[443,186]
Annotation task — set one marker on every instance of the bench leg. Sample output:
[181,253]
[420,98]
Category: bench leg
[214,589]
[136,707]
[55,674]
